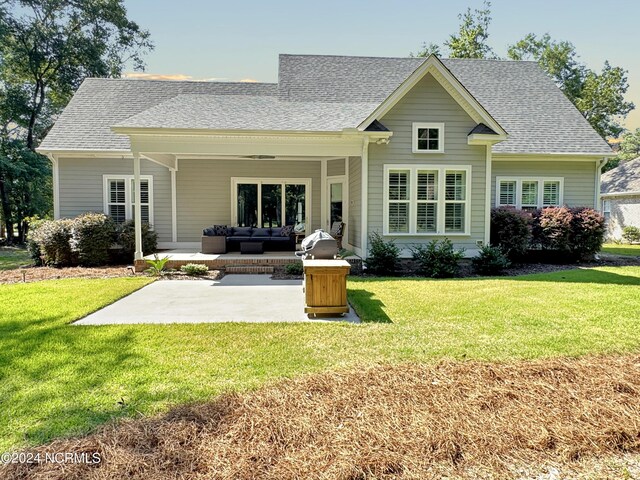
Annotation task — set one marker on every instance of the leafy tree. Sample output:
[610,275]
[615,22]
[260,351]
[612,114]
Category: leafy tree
[47,48]
[471,39]
[599,97]
[629,150]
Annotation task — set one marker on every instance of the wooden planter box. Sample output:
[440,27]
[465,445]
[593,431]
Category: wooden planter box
[325,286]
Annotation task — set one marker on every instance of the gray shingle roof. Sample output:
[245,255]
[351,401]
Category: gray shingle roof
[526,103]
[244,112]
[518,95]
[101,103]
[624,178]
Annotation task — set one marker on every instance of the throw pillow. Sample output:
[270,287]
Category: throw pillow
[208,232]
[221,230]
[286,231]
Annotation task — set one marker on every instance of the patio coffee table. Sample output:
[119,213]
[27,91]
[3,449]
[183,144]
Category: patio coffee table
[251,247]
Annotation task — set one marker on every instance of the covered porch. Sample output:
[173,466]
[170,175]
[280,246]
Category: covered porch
[271,181]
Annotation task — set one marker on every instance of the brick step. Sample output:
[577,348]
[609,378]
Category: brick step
[248,269]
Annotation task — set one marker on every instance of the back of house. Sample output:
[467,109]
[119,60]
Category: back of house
[414,149]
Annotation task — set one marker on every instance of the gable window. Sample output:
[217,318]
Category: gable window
[529,193]
[426,200]
[119,197]
[428,138]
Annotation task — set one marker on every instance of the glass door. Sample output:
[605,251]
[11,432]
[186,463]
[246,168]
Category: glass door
[337,196]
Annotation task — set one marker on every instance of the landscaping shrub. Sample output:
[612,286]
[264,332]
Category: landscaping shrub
[194,269]
[587,232]
[294,268]
[577,233]
[490,261]
[511,231]
[437,259]
[384,257]
[157,265]
[631,234]
[552,229]
[32,246]
[126,238]
[53,240]
[91,237]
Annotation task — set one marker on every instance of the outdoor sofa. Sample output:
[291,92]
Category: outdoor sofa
[274,239]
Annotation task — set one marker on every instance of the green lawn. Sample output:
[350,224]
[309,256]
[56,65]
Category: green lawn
[621,249]
[57,379]
[12,257]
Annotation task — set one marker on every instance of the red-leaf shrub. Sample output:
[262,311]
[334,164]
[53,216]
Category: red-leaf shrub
[552,228]
[511,231]
[588,230]
[577,232]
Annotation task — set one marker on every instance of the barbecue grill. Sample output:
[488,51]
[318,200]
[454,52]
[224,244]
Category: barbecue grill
[318,246]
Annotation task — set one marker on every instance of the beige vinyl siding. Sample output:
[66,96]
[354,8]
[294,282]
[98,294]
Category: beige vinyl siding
[428,101]
[355,200]
[335,167]
[82,188]
[204,189]
[579,177]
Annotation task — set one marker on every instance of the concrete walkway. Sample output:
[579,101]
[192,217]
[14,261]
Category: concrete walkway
[234,298]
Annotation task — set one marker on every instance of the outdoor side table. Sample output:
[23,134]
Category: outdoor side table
[251,247]
[325,286]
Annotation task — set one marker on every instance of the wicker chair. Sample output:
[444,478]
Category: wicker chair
[336,232]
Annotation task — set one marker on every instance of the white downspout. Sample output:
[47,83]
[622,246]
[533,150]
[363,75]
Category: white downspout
[487,208]
[138,207]
[364,182]
[174,206]
[599,165]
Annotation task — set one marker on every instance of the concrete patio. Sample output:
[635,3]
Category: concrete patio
[234,298]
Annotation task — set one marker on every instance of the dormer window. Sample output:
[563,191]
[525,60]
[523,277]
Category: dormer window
[428,138]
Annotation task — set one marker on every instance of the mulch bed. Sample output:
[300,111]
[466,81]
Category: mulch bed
[35,274]
[559,418]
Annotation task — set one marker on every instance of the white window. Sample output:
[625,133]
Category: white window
[119,197]
[270,202]
[529,193]
[426,200]
[606,209]
[428,138]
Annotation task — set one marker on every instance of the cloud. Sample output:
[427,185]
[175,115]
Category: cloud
[249,80]
[179,77]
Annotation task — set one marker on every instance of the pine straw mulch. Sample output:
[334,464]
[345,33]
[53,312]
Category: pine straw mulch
[36,274]
[565,417]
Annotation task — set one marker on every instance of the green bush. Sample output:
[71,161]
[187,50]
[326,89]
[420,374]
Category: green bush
[490,261]
[53,240]
[126,238]
[437,259]
[91,237]
[194,269]
[631,234]
[32,246]
[384,257]
[511,231]
[293,268]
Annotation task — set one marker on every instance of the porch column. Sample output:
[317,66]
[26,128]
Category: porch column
[138,208]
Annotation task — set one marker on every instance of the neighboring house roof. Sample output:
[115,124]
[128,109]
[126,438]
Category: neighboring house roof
[625,178]
[244,112]
[518,95]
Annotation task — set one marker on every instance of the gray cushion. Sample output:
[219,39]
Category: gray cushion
[261,232]
[241,231]
[208,232]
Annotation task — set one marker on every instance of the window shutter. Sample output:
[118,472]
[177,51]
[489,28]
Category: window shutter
[551,194]
[507,193]
[398,186]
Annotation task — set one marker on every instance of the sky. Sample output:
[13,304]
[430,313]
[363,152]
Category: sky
[240,40]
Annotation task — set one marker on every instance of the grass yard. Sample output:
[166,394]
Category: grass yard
[621,249]
[59,380]
[13,257]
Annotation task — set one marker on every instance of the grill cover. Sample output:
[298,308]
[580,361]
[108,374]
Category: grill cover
[319,245]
